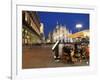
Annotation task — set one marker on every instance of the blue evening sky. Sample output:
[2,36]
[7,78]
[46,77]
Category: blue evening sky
[50,19]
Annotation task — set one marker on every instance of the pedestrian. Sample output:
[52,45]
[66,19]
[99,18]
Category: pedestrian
[55,50]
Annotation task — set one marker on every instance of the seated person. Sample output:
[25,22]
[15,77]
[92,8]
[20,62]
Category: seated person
[67,53]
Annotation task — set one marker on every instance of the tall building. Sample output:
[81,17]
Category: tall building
[30,28]
[42,33]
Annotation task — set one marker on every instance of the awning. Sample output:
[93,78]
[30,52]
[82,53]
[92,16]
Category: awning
[78,34]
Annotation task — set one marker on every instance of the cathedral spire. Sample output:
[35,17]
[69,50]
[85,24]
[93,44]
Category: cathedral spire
[57,23]
[57,26]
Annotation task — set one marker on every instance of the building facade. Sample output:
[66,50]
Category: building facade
[42,33]
[60,33]
[30,28]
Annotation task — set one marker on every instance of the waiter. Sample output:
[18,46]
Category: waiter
[55,49]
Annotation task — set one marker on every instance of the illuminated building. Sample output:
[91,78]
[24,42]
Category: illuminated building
[30,28]
[60,33]
[42,33]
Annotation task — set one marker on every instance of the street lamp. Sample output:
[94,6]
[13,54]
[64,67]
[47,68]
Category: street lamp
[79,26]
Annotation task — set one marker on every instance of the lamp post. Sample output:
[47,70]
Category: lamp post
[79,26]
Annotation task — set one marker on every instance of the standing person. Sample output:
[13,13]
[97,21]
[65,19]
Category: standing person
[75,48]
[78,51]
[55,50]
[72,54]
[87,53]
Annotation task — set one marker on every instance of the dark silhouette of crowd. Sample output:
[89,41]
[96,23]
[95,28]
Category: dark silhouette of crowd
[76,52]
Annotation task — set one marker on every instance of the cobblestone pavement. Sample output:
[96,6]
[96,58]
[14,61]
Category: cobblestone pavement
[41,57]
